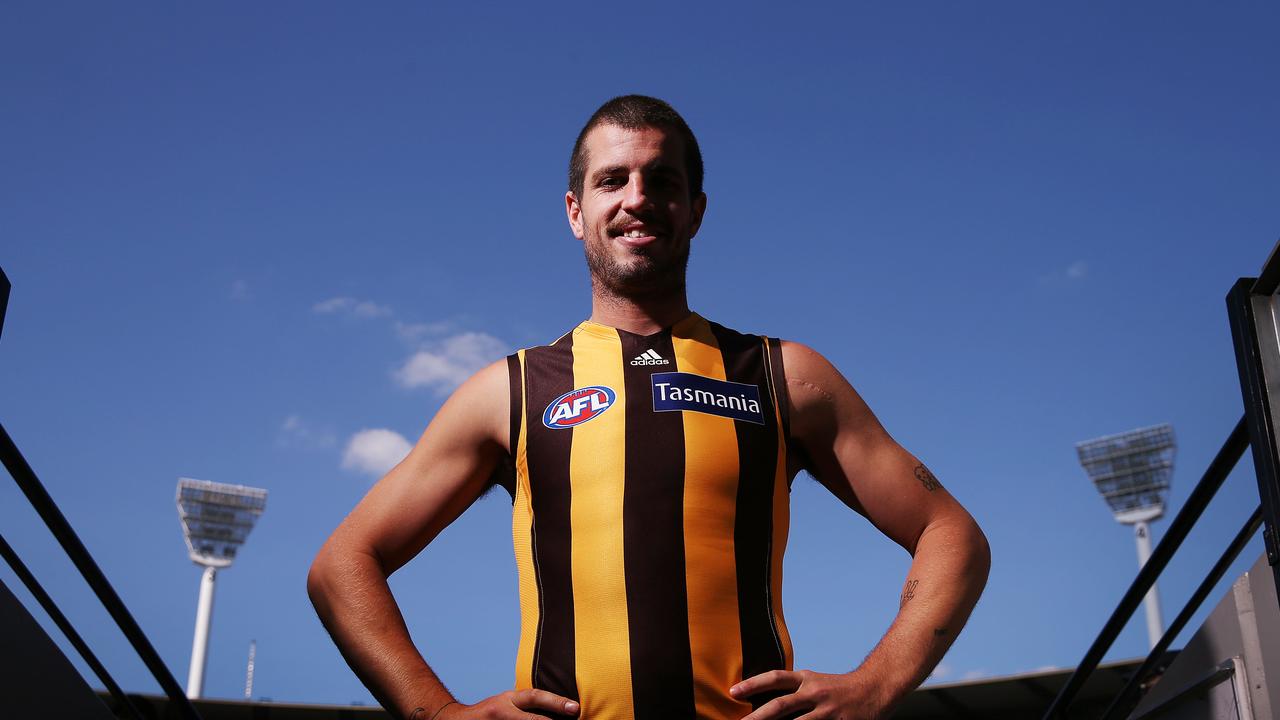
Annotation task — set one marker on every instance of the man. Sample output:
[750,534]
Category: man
[649,453]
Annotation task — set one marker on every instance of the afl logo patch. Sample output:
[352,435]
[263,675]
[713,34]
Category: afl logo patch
[578,406]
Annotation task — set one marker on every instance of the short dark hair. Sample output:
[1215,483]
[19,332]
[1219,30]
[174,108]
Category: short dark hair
[633,112]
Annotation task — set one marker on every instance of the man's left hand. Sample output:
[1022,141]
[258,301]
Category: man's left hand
[808,695]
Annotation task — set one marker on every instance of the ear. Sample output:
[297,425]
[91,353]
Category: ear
[697,209]
[573,209]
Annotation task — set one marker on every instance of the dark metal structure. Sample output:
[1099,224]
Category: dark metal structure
[53,518]
[1253,310]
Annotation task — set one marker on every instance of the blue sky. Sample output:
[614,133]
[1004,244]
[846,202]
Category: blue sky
[242,236]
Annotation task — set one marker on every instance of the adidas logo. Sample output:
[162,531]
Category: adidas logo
[650,357]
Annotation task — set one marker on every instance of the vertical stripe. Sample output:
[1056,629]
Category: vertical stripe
[602,644]
[522,528]
[753,530]
[710,496]
[653,527]
[781,494]
[778,381]
[548,375]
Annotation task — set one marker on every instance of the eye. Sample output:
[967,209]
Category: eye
[612,181]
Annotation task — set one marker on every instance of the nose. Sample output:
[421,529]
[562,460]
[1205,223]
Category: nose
[636,197]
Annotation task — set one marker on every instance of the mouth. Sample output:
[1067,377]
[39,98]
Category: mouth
[637,235]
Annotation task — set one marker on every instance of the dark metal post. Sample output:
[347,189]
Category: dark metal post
[1186,518]
[1246,306]
[4,297]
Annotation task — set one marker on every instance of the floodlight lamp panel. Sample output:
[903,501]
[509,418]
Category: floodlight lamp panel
[1131,470]
[216,518]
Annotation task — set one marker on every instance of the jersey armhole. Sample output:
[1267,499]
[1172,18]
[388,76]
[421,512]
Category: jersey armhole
[506,476]
[778,379]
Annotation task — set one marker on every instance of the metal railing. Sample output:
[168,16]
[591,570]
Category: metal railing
[53,518]
[1253,310]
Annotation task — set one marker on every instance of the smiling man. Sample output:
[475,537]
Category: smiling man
[650,453]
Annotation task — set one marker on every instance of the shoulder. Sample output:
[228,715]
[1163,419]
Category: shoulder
[811,377]
[482,403]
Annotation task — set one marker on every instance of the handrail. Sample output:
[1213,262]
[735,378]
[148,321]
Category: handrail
[51,609]
[1226,459]
[80,557]
[1125,701]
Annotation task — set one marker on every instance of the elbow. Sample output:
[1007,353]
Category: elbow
[318,578]
[980,554]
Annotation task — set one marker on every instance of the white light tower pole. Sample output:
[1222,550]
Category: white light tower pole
[1132,471]
[216,519]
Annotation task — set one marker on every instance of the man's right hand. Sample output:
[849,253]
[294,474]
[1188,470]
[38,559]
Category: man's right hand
[513,705]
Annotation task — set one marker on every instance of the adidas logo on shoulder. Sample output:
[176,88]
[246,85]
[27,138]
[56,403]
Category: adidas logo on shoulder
[650,357]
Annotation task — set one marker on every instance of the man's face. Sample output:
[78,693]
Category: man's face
[635,217]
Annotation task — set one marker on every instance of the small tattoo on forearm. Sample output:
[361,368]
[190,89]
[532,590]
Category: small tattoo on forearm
[926,478]
[908,592]
[939,632]
[418,713]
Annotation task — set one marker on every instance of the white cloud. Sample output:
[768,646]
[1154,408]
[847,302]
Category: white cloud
[351,306]
[451,361]
[296,432]
[941,672]
[973,675]
[374,451]
[1077,270]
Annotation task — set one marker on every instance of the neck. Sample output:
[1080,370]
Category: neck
[640,315]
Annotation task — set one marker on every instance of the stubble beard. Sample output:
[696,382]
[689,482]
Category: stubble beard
[644,277]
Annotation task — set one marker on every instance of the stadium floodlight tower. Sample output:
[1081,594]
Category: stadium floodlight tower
[216,519]
[1132,471]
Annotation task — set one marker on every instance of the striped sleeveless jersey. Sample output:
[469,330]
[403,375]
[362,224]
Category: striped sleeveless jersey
[650,518]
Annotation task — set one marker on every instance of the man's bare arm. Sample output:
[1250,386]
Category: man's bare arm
[446,471]
[848,451]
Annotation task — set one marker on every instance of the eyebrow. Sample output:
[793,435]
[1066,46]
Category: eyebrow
[661,167]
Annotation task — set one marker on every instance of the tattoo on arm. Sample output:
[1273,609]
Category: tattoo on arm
[418,713]
[939,632]
[908,592]
[926,478]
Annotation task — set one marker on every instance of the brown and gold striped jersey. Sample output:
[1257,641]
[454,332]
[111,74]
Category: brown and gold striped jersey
[650,517]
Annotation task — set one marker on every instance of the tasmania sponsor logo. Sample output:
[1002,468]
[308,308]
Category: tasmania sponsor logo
[686,391]
[578,406]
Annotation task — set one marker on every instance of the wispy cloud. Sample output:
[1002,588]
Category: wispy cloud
[351,306]
[973,674]
[374,451]
[446,364]
[1062,276]
[941,672]
[240,291]
[414,332]
[297,432]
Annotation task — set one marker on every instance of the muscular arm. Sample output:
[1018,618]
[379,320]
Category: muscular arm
[842,444]
[444,473]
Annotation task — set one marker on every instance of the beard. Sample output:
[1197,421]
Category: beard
[647,274]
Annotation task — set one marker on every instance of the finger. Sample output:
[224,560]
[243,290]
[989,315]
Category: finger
[786,706]
[534,699]
[764,682]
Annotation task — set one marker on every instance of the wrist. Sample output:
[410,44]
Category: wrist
[881,690]
[436,714]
